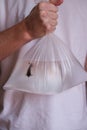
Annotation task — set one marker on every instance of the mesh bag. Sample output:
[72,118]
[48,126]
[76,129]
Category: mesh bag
[49,67]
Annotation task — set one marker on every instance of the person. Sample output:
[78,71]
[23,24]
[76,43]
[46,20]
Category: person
[65,111]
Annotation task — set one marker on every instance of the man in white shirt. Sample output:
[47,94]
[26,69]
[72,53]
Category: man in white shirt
[66,111]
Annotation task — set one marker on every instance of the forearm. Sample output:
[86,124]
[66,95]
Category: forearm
[41,20]
[12,39]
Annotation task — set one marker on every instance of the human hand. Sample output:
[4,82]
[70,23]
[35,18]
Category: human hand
[42,19]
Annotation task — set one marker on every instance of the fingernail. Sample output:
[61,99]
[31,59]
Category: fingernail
[59,2]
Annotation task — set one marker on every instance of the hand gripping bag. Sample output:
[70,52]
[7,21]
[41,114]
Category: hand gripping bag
[49,67]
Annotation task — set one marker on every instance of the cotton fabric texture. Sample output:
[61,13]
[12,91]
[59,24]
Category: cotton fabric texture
[65,111]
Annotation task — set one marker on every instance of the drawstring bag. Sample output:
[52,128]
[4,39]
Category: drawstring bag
[49,67]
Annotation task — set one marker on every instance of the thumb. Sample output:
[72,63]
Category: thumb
[56,2]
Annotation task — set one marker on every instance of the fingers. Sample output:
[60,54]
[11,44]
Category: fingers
[53,15]
[48,15]
[49,22]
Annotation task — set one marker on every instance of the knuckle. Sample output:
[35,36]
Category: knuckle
[43,13]
[54,23]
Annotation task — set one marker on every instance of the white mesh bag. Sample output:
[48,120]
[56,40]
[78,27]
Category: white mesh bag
[49,67]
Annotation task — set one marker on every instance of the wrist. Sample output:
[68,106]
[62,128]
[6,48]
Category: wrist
[24,33]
